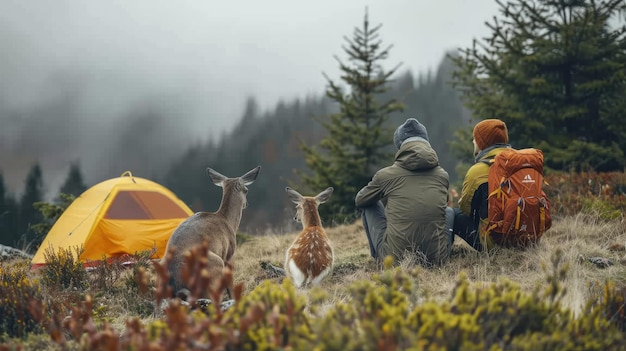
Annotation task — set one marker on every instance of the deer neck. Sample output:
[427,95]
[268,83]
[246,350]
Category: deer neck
[231,208]
[310,215]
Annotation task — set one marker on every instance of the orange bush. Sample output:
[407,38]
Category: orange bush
[572,193]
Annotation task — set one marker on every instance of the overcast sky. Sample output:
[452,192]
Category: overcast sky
[212,54]
[72,71]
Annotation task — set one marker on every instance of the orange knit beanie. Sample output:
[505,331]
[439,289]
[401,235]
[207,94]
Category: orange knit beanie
[489,132]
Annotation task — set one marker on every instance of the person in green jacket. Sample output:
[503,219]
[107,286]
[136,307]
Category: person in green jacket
[491,137]
[404,205]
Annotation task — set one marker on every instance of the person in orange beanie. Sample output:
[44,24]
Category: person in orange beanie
[491,137]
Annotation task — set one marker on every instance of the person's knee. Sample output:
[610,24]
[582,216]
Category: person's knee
[450,216]
[449,221]
[458,213]
[461,220]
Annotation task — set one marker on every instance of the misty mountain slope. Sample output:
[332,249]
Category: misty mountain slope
[143,137]
[272,141]
[152,138]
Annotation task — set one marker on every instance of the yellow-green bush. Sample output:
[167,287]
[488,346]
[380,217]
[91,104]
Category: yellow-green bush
[106,273]
[271,317]
[17,290]
[610,301]
[603,209]
[384,313]
[63,270]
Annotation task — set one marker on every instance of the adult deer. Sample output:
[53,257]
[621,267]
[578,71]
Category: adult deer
[218,229]
[310,258]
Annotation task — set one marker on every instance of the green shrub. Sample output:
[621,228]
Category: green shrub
[241,238]
[16,291]
[387,312]
[610,301]
[600,208]
[104,274]
[63,270]
[140,299]
[571,193]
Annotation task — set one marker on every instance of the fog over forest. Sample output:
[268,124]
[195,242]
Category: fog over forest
[131,85]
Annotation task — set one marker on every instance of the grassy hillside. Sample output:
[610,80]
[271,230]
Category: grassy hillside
[579,237]
[117,297]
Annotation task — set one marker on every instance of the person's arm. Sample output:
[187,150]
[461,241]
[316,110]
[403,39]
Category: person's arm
[369,194]
[465,201]
[472,180]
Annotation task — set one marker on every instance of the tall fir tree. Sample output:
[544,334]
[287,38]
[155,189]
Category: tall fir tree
[9,234]
[74,183]
[358,140]
[555,72]
[28,214]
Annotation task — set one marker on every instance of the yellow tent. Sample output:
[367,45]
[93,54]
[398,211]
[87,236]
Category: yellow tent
[117,217]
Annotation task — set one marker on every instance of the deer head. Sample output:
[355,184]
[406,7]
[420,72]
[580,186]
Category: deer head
[307,203]
[236,186]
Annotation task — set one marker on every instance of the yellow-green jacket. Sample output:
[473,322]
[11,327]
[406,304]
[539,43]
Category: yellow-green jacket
[473,201]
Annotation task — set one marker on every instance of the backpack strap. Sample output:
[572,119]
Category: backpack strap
[498,192]
[542,217]
[487,161]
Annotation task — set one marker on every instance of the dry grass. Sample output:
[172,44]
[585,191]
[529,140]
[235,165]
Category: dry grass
[579,237]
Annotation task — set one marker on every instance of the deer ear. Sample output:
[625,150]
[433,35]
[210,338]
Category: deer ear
[250,177]
[294,196]
[216,177]
[324,195]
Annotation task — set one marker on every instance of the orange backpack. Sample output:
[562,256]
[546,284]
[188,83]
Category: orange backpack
[518,208]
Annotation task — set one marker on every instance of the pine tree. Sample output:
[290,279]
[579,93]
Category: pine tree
[50,213]
[74,183]
[28,214]
[437,105]
[8,216]
[358,137]
[555,72]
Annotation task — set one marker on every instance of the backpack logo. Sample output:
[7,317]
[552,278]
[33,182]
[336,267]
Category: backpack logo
[528,179]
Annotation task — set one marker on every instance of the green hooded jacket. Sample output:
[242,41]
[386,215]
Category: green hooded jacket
[415,193]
